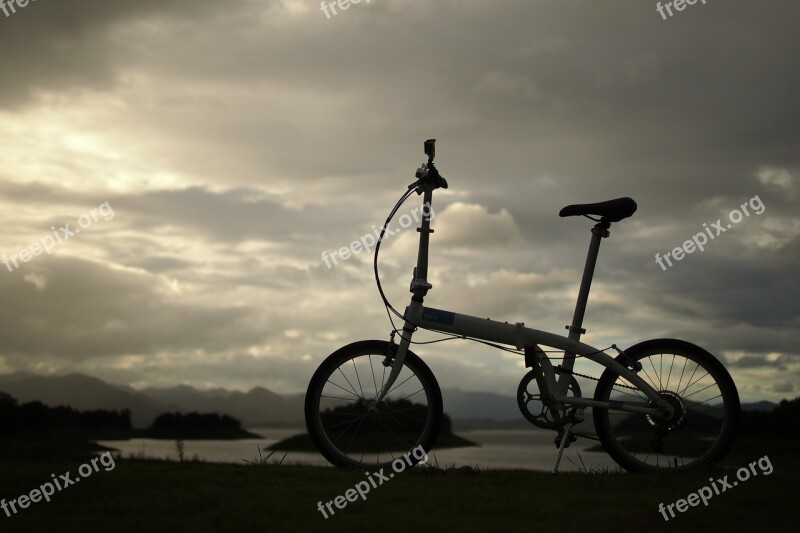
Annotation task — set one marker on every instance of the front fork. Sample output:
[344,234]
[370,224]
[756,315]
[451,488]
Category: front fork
[413,315]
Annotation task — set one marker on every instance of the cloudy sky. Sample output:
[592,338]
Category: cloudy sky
[225,145]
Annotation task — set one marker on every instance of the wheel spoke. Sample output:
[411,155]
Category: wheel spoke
[412,394]
[701,390]
[348,382]
[670,370]
[685,362]
[690,379]
[393,388]
[358,378]
[390,433]
[399,422]
[695,381]
[361,421]
[704,401]
[656,373]
[349,422]
[345,429]
[647,375]
[637,396]
[369,440]
[347,391]
[407,415]
[372,370]
[336,398]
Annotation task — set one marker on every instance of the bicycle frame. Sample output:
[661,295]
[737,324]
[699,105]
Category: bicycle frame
[418,316]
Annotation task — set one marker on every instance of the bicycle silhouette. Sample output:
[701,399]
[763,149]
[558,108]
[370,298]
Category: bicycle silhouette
[660,405]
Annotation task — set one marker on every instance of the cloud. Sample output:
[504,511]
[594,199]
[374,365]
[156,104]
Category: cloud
[505,85]
[69,44]
[779,178]
[87,310]
[785,387]
[473,226]
[238,140]
[752,361]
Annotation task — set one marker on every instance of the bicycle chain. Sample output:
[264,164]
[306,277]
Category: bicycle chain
[597,379]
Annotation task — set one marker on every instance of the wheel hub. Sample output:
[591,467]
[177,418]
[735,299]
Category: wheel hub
[678,411]
[375,407]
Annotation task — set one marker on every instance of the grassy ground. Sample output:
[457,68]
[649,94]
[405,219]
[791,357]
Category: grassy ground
[162,496]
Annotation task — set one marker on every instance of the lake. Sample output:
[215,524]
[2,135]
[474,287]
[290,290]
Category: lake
[508,449]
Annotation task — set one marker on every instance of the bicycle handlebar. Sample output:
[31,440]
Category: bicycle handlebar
[428,174]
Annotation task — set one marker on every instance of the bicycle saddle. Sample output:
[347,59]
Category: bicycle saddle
[609,211]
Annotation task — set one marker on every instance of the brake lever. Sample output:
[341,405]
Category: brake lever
[428,172]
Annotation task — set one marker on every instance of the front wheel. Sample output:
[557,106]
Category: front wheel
[349,428]
[702,394]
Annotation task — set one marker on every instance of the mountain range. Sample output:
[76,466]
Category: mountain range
[258,407]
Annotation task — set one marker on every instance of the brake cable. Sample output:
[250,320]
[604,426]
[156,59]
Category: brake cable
[391,309]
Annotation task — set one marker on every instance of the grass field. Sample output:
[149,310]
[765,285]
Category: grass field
[163,496]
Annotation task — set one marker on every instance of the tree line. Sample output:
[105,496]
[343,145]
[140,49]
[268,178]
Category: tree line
[38,416]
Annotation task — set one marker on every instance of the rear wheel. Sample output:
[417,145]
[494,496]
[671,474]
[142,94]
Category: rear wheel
[346,424]
[702,394]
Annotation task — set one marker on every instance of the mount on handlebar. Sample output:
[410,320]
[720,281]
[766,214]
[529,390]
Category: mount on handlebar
[428,174]
[430,149]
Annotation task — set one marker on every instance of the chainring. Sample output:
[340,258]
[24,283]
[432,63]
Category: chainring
[539,414]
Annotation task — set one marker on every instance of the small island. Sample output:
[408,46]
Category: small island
[396,431]
[195,426]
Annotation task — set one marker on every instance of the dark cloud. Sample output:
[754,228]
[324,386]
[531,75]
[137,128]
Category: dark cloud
[288,134]
[67,44]
[785,387]
[752,361]
[82,310]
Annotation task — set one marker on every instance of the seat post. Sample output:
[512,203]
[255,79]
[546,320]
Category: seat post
[599,231]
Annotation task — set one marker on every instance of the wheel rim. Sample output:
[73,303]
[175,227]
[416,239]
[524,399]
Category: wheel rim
[361,433]
[695,430]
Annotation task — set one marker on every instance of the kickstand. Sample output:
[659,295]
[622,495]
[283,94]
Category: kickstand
[561,449]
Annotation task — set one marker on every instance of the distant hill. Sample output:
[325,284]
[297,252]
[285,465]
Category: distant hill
[16,376]
[759,406]
[83,393]
[465,405]
[781,421]
[257,407]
